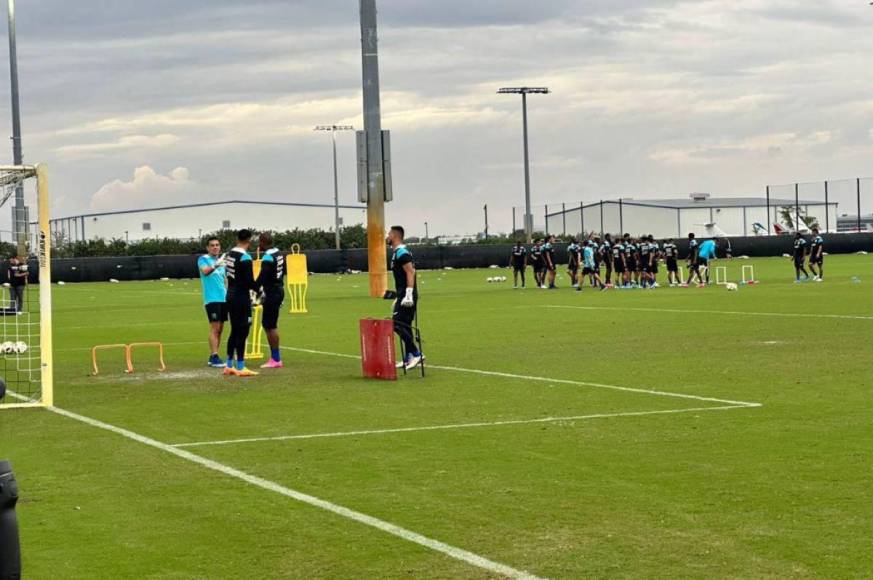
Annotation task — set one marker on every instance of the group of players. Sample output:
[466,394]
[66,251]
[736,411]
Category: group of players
[231,287]
[620,262]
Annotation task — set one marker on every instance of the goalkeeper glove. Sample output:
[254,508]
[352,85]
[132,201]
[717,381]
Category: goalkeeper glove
[408,301]
[256,298]
[220,262]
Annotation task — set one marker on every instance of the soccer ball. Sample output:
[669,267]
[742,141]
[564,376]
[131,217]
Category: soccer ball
[490,280]
[731,287]
[20,347]
[6,347]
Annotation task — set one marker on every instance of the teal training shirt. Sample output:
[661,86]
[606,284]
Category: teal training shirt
[707,250]
[213,284]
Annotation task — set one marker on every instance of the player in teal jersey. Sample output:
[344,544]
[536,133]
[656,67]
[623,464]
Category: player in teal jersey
[212,280]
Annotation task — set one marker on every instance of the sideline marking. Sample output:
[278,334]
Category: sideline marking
[457,426]
[732,312]
[387,527]
[550,380]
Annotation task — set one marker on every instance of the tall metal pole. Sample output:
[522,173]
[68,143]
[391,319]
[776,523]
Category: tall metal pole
[523,91]
[377,263]
[528,215]
[486,221]
[18,227]
[336,218]
[426,232]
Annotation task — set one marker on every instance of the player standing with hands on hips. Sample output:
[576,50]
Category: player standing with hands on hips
[406,304]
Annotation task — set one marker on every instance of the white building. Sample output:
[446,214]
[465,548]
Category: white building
[673,218]
[193,221]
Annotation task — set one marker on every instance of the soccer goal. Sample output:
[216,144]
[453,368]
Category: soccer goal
[25,297]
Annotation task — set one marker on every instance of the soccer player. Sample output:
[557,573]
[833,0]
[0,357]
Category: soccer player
[630,261]
[17,276]
[606,257]
[574,251]
[536,254]
[816,256]
[654,257]
[693,265]
[270,284]
[705,253]
[403,268]
[212,280]
[549,259]
[518,259]
[645,264]
[671,254]
[799,257]
[589,266]
[240,284]
[619,264]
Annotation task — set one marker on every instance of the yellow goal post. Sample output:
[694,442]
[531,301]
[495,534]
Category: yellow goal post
[26,296]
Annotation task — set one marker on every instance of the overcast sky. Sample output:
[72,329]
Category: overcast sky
[138,104]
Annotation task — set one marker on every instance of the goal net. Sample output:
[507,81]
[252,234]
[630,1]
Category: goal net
[25,296]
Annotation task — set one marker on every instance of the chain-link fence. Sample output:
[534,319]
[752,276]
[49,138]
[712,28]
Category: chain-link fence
[849,204]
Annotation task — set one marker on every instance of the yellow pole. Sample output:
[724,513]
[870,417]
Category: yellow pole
[45,286]
[376,249]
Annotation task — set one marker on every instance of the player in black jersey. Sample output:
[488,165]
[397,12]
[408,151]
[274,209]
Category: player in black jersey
[518,261]
[406,304]
[671,256]
[240,286]
[816,256]
[270,282]
[606,257]
[799,257]
[539,268]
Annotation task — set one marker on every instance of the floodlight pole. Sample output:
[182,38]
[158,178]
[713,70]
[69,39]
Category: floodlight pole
[376,254]
[524,92]
[18,226]
[336,217]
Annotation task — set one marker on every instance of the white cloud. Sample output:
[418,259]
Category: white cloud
[126,142]
[148,188]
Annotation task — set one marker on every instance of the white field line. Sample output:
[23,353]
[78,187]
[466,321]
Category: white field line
[387,527]
[457,426]
[728,312]
[550,380]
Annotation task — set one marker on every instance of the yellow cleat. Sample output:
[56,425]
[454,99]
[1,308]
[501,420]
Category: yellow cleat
[246,373]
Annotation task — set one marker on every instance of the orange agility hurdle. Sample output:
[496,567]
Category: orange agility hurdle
[96,369]
[158,345]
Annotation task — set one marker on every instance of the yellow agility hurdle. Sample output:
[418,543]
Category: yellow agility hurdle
[99,347]
[158,345]
[297,279]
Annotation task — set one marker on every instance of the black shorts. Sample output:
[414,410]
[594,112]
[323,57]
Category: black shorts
[818,261]
[239,311]
[672,266]
[645,267]
[618,268]
[608,264]
[654,267]
[403,316]
[798,262]
[518,267]
[702,262]
[216,312]
[588,271]
[272,305]
[631,266]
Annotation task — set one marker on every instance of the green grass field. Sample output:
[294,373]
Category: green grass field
[581,479]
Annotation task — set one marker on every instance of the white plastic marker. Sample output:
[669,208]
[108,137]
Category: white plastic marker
[387,527]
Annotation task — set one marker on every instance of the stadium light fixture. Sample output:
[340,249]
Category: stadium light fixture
[333,129]
[524,92]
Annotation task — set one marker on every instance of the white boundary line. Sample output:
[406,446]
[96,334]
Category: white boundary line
[730,312]
[456,426]
[549,380]
[387,527]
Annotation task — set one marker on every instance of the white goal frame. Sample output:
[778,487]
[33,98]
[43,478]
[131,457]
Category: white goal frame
[43,252]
